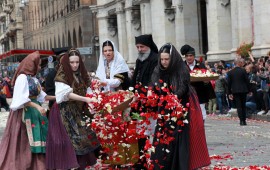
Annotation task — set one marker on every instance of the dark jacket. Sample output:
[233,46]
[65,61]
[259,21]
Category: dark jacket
[144,69]
[238,81]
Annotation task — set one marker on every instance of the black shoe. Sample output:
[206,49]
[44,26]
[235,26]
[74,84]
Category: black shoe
[243,123]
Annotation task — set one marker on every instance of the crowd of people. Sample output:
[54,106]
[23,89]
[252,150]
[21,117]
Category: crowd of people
[35,138]
[256,86]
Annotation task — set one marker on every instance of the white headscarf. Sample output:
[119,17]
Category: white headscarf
[118,64]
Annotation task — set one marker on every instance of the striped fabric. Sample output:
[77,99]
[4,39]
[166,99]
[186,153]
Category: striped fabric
[199,156]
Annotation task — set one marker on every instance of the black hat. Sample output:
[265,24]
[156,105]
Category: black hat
[147,40]
[60,51]
[187,49]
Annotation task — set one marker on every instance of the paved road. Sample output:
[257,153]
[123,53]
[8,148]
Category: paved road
[235,145]
[229,143]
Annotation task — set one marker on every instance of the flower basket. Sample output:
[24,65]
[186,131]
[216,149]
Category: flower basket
[244,49]
[196,79]
[122,106]
[202,75]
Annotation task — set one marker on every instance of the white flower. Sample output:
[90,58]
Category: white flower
[131,88]
[174,119]
[82,123]
[185,121]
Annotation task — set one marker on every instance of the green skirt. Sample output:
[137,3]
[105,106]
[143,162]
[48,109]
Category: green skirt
[37,128]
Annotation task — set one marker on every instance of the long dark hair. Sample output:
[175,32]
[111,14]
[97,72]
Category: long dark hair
[69,72]
[176,75]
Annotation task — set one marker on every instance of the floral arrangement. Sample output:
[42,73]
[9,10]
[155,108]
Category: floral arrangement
[202,73]
[244,49]
[118,134]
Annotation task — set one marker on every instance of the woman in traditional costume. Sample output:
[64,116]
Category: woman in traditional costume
[23,143]
[113,73]
[188,150]
[71,84]
[112,68]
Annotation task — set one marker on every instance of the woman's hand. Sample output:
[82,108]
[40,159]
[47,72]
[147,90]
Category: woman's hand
[102,83]
[88,100]
[42,110]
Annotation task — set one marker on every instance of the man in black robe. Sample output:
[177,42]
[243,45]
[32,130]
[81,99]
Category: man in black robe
[146,62]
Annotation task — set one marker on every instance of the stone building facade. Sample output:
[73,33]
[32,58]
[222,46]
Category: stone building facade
[215,28]
[11,27]
[59,23]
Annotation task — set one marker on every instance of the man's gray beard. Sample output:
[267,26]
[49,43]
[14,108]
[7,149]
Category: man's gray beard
[143,56]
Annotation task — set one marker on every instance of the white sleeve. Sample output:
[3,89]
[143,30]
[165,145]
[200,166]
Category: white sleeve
[20,93]
[62,91]
[113,83]
[41,96]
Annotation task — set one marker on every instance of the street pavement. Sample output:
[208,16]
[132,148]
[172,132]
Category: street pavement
[232,145]
[229,144]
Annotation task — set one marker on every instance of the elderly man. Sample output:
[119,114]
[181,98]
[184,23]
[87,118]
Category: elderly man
[146,62]
[204,89]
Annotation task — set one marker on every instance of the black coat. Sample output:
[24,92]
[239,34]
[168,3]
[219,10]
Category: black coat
[205,91]
[144,69]
[50,86]
[238,81]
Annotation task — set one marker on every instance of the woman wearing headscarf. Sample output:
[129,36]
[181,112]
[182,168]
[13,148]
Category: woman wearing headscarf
[112,68]
[24,139]
[113,73]
[71,84]
[188,150]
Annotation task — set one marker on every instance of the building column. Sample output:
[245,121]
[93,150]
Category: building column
[146,17]
[244,21]
[219,31]
[133,29]
[179,24]
[234,28]
[261,24]
[103,25]
[121,26]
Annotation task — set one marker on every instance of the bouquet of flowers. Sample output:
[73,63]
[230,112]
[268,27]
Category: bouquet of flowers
[244,49]
[202,75]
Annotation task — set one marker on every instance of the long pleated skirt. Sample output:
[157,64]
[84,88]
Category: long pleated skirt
[15,150]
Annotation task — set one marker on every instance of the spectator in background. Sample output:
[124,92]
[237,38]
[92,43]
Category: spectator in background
[3,99]
[220,89]
[238,86]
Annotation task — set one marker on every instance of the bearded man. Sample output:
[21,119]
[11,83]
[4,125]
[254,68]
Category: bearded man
[145,64]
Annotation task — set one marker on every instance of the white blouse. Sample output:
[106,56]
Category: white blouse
[62,91]
[21,92]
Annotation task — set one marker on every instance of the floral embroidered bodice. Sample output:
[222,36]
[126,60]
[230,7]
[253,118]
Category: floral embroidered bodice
[34,87]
